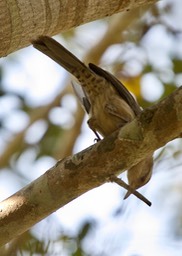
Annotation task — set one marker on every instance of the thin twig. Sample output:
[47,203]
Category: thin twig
[127,187]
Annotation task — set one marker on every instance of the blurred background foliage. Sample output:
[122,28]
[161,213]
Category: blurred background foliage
[41,122]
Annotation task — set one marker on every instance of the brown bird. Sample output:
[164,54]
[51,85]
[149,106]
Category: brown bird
[107,101]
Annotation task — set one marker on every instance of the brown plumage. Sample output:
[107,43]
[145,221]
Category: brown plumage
[106,100]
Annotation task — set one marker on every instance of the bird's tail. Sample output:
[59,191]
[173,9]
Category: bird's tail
[59,54]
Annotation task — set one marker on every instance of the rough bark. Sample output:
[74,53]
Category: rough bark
[23,20]
[75,175]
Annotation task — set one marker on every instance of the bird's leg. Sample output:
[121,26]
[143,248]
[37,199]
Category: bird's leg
[92,124]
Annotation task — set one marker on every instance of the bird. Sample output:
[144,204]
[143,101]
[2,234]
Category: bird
[107,101]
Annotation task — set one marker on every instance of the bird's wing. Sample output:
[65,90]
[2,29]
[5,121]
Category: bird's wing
[120,88]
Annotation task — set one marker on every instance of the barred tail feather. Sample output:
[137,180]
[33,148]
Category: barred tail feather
[58,53]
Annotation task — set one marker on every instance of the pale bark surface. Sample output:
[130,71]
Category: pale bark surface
[75,175]
[22,21]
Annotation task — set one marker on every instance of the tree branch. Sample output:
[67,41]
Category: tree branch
[23,20]
[75,175]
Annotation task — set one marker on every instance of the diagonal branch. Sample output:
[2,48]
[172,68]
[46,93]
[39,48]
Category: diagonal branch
[75,175]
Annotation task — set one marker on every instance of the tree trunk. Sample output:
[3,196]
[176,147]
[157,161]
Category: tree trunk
[24,20]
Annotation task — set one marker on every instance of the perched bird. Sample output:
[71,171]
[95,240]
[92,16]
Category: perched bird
[106,100]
